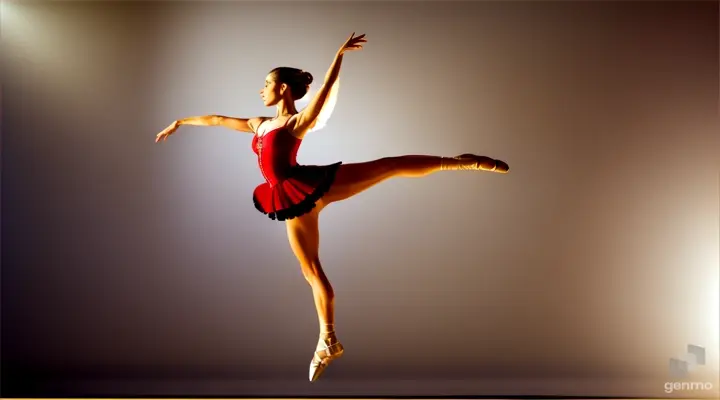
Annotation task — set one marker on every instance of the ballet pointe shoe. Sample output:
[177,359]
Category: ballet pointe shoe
[483,163]
[323,356]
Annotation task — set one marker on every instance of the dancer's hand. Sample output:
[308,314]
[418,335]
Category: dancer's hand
[167,131]
[353,43]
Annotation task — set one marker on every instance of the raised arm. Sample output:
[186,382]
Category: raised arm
[307,118]
[239,124]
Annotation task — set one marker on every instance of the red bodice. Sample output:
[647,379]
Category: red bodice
[277,154]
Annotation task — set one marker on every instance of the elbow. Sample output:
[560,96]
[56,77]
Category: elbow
[214,120]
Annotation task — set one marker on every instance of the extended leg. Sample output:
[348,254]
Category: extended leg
[305,242]
[352,179]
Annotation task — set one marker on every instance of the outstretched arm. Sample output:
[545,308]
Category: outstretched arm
[239,124]
[307,118]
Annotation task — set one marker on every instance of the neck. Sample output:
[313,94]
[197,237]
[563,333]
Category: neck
[285,108]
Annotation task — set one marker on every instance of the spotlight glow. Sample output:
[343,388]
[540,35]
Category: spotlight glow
[327,111]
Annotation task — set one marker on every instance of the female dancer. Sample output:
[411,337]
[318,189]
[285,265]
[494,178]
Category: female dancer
[297,193]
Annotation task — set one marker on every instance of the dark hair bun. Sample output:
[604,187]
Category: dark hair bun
[298,80]
[306,78]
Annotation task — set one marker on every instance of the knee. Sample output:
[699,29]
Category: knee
[391,163]
[315,276]
[310,270]
[392,166]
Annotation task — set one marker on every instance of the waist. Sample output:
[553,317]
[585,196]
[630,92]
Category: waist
[277,171]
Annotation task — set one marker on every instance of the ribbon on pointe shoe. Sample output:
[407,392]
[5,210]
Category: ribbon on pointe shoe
[320,362]
[472,163]
[477,160]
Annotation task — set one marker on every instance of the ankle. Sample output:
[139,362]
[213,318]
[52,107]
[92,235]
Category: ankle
[457,163]
[327,330]
[448,163]
[468,162]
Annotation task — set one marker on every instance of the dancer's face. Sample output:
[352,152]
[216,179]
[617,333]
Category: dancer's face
[273,91]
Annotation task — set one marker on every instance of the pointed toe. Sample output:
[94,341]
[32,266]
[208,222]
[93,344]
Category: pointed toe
[323,357]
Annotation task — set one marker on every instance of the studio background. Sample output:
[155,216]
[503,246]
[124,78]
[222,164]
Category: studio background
[130,267]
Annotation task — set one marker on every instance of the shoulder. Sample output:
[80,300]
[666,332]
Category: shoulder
[296,127]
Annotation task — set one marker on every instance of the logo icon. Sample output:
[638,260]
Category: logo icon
[681,367]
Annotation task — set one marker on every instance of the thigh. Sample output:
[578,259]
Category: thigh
[354,178]
[304,236]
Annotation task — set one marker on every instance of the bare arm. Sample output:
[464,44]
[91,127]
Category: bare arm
[238,124]
[307,118]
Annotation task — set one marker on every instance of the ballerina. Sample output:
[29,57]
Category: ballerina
[297,193]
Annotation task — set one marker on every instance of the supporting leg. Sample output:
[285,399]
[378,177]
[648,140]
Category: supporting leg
[304,238]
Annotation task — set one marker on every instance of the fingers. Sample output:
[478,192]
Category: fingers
[161,136]
[355,39]
[359,39]
[354,42]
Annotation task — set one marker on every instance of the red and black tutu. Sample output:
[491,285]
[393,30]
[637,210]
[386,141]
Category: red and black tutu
[297,194]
